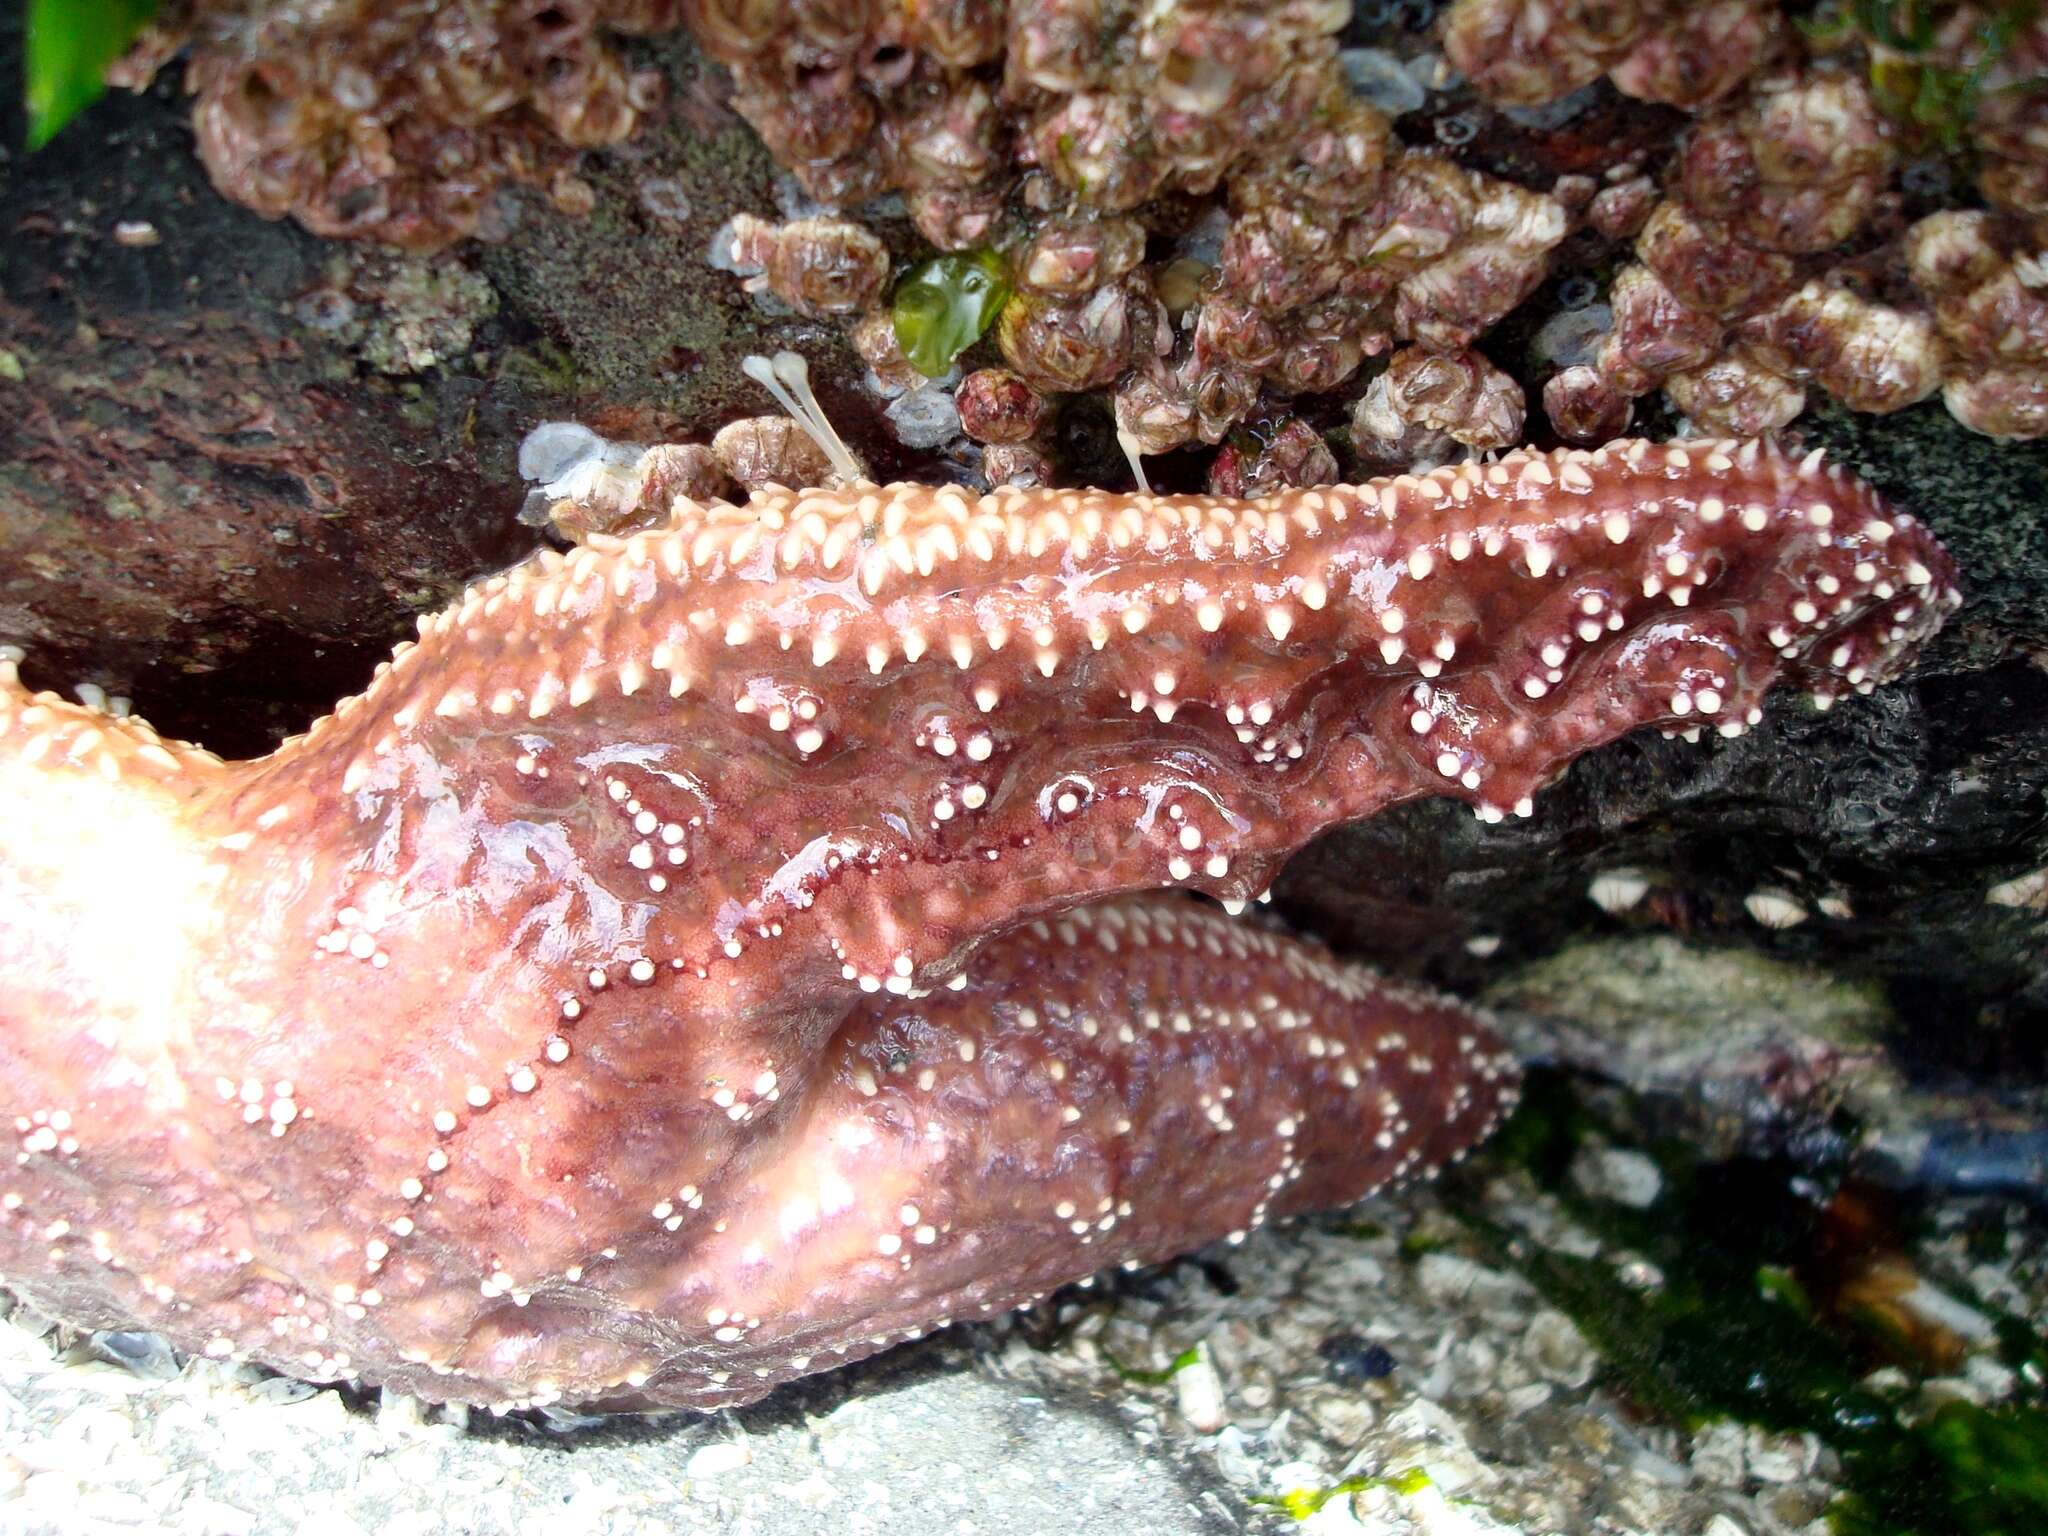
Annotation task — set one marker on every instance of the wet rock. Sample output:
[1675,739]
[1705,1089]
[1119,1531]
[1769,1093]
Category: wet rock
[1620,1174]
[1751,1050]
[718,1458]
[206,458]
[1717,1454]
[399,314]
[1780,1458]
[1448,1277]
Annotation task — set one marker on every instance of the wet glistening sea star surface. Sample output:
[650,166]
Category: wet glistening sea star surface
[713,954]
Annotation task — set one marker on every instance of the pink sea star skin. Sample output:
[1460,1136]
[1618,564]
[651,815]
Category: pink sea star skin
[672,975]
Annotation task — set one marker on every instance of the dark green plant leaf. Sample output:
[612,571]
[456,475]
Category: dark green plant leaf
[944,306]
[70,45]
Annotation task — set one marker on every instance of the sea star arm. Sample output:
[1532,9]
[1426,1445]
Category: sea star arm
[1112,1085]
[1095,691]
[351,1057]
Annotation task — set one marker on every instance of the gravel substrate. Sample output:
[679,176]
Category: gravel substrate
[1372,1354]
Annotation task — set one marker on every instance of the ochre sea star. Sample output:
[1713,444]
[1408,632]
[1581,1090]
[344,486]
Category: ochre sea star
[677,972]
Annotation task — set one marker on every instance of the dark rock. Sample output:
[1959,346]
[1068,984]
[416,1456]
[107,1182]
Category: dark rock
[210,499]
[1349,1359]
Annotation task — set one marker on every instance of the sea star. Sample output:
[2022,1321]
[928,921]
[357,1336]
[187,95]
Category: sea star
[674,974]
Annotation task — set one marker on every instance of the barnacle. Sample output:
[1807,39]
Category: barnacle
[1735,394]
[1990,297]
[621,488]
[1266,457]
[1583,406]
[996,406]
[1794,165]
[1494,261]
[1621,208]
[1427,407]
[1019,464]
[760,451]
[1869,355]
[1322,345]
[1057,140]
[1702,264]
[1074,345]
[1072,254]
[816,266]
[1155,407]
[1523,53]
[1655,333]
[1702,52]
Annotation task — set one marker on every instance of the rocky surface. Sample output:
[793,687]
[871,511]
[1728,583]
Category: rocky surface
[925,1443]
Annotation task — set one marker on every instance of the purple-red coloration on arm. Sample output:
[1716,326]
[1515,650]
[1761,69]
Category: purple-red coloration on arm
[706,956]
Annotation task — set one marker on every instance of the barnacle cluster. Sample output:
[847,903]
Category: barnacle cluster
[397,122]
[1685,54]
[1775,262]
[588,485]
[1990,298]
[1734,305]
[1341,244]
[1264,458]
[947,101]
[1200,216]
[1200,208]
[584,483]
[1071,136]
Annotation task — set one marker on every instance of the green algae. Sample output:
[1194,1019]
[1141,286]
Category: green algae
[1304,1502]
[1140,1376]
[1914,87]
[943,306]
[1983,1471]
[1733,1333]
